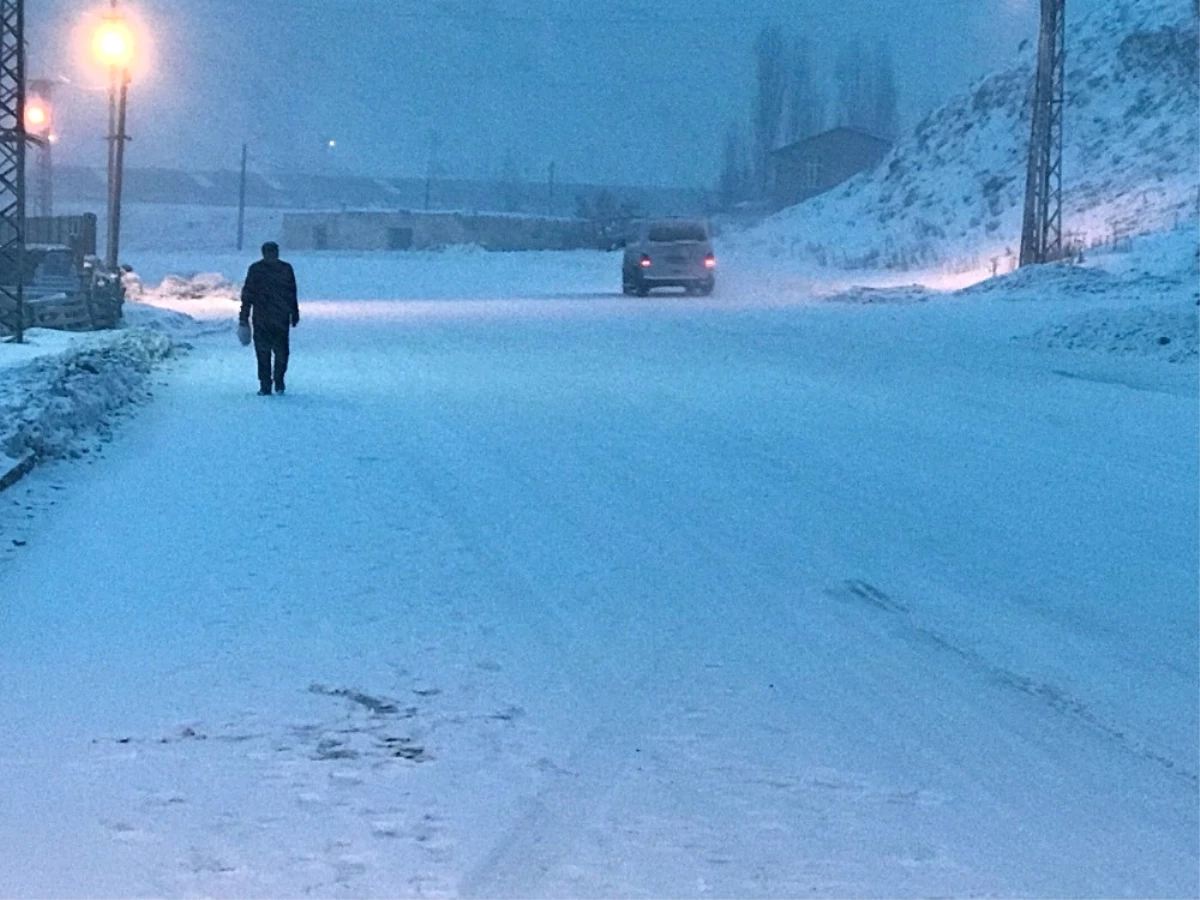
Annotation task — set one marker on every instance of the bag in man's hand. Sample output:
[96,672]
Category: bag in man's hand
[244,334]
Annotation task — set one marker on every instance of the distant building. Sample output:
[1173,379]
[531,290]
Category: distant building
[78,185]
[419,230]
[821,162]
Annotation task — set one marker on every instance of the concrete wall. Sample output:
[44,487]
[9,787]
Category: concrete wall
[422,231]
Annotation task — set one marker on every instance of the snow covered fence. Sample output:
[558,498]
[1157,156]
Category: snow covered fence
[64,404]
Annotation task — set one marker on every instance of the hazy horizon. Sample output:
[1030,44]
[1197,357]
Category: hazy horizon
[624,93]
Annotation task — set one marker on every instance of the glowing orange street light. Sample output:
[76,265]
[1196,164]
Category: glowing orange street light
[112,43]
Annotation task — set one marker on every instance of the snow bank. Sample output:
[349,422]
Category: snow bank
[954,188]
[64,404]
[1046,282]
[1141,303]
[204,286]
[864,295]
[1171,334]
[184,305]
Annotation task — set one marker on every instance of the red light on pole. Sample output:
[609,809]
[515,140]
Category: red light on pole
[37,116]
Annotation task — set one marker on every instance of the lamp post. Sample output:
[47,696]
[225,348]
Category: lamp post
[112,46]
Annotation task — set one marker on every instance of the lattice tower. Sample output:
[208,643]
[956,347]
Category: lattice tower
[12,166]
[1041,236]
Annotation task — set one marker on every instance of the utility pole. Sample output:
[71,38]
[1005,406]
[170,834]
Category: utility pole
[1041,234]
[13,138]
[435,145]
[241,234]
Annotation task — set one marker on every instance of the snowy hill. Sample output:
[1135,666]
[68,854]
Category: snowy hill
[954,188]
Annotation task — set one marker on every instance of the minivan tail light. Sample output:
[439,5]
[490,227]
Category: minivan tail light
[645,263]
[710,262]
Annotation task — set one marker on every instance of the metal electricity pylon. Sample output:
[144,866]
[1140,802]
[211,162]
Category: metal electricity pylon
[1041,235]
[12,166]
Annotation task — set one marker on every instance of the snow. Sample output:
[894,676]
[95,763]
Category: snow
[837,583]
[529,589]
[60,394]
[952,191]
[1169,333]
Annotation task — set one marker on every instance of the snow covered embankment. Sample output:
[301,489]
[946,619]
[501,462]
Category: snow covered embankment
[1141,304]
[952,191]
[64,405]
[1168,334]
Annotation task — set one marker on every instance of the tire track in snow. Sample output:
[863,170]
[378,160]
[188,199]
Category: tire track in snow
[1053,697]
[540,832]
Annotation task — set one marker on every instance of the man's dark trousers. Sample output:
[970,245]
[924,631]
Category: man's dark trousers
[271,339]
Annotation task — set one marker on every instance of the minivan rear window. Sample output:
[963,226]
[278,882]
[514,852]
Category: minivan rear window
[675,232]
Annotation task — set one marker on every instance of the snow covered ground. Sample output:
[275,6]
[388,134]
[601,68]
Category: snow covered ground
[952,191]
[61,394]
[529,589]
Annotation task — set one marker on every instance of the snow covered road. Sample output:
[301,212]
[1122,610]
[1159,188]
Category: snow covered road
[525,595]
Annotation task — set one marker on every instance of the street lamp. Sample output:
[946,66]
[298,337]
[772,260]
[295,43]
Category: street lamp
[113,47]
[112,43]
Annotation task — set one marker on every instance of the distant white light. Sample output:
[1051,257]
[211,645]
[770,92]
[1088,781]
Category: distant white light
[332,144]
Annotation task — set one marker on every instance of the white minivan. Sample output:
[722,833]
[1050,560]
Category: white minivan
[669,253]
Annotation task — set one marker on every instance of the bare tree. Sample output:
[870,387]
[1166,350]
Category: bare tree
[885,115]
[866,88]
[806,105]
[732,185]
[771,70]
[854,107]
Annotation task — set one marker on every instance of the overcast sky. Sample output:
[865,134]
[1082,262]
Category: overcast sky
[618,91]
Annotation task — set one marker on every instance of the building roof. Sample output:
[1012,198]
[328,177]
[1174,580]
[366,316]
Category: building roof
[825,137]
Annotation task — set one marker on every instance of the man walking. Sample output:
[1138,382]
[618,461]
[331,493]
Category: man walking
[270,295]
